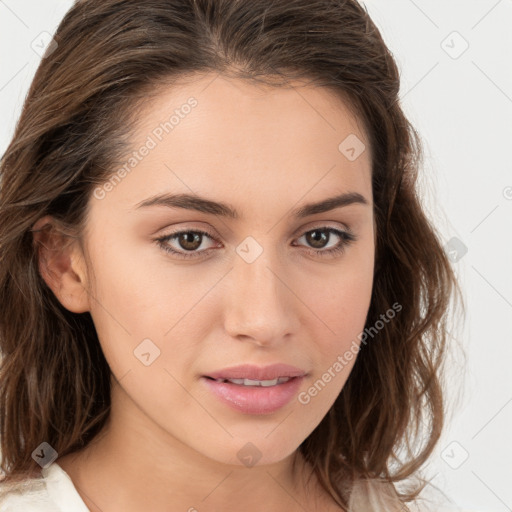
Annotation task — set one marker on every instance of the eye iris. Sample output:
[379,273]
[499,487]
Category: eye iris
[323,237]
[195,238]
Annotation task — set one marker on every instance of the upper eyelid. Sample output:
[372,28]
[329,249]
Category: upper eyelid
[299,232]
[323,227]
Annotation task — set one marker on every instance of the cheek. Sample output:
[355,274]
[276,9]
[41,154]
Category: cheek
[140,297]
[341,299]
[341,312]
[343,315]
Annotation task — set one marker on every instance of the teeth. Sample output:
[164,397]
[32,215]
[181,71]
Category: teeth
[250,382]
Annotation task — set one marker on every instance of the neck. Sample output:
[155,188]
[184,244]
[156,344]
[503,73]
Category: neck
[130,467]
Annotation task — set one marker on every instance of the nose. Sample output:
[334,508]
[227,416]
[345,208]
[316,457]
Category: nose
[261,307]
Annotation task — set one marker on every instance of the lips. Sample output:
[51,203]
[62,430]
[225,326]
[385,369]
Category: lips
[251,389]
[254,400]
[252,372]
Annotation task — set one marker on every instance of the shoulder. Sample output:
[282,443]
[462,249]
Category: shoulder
[29,495]
[373,495]
[51,491]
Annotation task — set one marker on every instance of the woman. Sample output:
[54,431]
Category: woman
[219,288]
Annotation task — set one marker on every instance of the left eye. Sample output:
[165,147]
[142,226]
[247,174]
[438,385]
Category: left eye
[191,240]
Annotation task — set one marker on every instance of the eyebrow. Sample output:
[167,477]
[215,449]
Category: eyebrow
[204,205]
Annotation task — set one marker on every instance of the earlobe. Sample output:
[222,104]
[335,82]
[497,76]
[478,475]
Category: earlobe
[61,264]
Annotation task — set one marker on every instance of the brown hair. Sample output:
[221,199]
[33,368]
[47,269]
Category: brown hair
[75,127]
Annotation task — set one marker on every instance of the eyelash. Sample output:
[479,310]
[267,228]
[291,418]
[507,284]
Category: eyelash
[346,239]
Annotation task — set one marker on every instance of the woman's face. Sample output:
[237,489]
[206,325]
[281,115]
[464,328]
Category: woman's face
[262,287]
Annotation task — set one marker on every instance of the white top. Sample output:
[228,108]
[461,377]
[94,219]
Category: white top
[54,492]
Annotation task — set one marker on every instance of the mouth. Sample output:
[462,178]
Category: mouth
[254,382]
[252,396]
[252,374]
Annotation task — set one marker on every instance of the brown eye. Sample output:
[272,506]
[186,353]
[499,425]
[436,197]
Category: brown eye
[317,238]
[187,241]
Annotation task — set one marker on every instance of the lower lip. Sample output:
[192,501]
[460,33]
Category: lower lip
[254,399]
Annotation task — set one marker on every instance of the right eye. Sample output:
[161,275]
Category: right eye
[189,240]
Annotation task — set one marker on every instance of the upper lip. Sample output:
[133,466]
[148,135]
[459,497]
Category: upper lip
[249,371]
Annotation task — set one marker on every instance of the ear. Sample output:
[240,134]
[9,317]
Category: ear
[61,264]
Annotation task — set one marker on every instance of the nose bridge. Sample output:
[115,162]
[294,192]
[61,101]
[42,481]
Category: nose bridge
[260,304]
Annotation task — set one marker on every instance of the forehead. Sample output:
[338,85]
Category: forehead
[212,134]
[225,100]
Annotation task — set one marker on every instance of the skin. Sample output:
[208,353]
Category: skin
[169,443]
